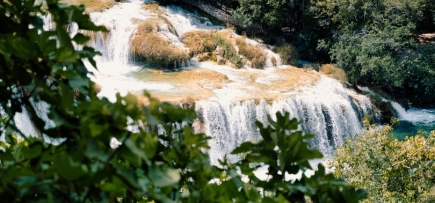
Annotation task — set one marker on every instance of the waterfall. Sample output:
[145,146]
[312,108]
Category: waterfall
[413,120]
[323,106]
[327,110]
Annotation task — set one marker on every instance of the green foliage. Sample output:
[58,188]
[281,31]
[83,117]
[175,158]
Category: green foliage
[390,170]
[288,54]
[288,153]
[418,64]
[147,166]
[230,52]
[374,42]
[372,56]
[272,14]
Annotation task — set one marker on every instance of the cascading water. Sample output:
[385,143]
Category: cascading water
[412,120]
[327,110]
[233,103]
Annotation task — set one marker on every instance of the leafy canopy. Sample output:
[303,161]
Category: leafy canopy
[390,170]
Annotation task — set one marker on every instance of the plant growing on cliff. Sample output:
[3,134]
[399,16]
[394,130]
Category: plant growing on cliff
[72,160]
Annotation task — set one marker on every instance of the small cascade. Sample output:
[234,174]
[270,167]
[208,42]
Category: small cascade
[121,20]
[413,120]
[401,112]
[232,100]
[327,110]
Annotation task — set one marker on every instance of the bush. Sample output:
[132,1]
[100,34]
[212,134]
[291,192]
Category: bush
[390,170]
[221,39]
[153,48]
[334,72]
[253,53]
[288,54]
[199,41]
[418,66]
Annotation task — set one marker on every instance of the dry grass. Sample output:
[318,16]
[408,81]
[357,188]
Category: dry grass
[334,72]
[150,25]
[160,20]
[155,50]
[225,39]
[282,81]
[91,5]
[154,25]
[253,53]
[199,41]
[153,7]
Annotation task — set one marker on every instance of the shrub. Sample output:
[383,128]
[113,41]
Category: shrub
[153,48]
[288,54]
[223,40]
[334,72]
[253,53]
[390,170]
[199,41]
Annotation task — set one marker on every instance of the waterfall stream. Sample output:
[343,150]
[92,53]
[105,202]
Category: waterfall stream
[413,120]
[229,106]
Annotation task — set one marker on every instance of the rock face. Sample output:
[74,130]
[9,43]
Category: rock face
[208,8]
[218,13]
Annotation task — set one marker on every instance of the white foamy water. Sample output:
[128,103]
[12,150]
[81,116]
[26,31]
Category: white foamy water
[326,109]
[415,115]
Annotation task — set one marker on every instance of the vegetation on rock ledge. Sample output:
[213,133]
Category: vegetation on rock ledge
[143,166]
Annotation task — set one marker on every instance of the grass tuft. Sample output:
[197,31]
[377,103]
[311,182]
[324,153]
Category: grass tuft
[223,44]
[224,40]
[334,72]
[154,49]
[253,53]
[91,5]
[199,41]
[153,7]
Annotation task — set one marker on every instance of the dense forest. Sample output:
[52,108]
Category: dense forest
[384,44]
